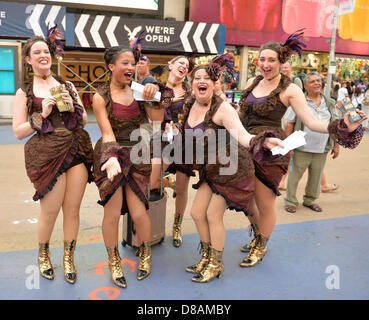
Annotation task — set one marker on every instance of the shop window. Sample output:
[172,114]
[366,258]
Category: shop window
[7,70]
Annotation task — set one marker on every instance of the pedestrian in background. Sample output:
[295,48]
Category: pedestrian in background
[313,154]
[357,98]
[366,108]
[219,88]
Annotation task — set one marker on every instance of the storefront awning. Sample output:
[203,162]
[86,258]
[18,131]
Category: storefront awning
[101,31]
[24,20]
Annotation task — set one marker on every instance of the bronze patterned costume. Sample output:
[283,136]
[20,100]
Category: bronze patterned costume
[261,117]
[236,188]
[174,112]
[137,175]
[59,144]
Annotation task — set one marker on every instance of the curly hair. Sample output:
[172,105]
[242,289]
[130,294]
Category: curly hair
[52,40]
[218,65]
[26,50]
[276,47]
[292,45]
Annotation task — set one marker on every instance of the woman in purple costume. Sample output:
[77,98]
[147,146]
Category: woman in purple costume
[263,104]
[58,156]
[172,112]
[206,115]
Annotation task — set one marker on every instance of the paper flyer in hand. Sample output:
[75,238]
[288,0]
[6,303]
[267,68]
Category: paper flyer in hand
[293,141]
[138,91]
[169,135]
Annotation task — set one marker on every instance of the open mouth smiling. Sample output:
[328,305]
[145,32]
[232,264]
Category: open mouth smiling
[202,89]
[43,61]
[128,75]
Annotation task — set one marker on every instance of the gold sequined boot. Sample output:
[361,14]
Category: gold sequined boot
[257,253]
[70,272]
[115,267]
[205,249]
[247,247]
[177,232]
[44,263]
[172,185]
[144,267]
[214,268]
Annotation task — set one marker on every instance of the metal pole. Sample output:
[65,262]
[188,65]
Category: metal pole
[332,60]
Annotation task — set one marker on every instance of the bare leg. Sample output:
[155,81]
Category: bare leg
[142,223]
[254,221]
[324,183]
[111,219]
[182,181]
[50,206]
[198,212]
[76,180]
[254,218]
[265,201]
[155,174]
[282,184]
[215,214]
[139,215]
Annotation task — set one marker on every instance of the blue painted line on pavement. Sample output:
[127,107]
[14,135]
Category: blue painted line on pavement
[301,263]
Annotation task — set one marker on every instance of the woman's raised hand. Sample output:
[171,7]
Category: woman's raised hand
[353,125]
[149,91]
[179,95]
[47,106]
[68,99]
[270,143]
[112,168]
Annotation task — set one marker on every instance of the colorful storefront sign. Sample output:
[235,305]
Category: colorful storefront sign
[254,22]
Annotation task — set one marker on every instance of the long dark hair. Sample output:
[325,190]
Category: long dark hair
[111,55]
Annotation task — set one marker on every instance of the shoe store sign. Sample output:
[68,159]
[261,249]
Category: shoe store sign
[160,35]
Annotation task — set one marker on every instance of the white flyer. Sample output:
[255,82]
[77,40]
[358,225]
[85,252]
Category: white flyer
[169,135]
[138,90]
[293,141]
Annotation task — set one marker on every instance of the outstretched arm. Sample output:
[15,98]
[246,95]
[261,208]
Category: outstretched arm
[297,101]
[227,117]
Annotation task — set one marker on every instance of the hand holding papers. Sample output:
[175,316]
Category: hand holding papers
[170,132]
[60,103]
[293,141]
[349,107]
[138,91]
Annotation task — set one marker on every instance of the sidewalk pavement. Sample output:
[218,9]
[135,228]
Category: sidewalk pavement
[301,249]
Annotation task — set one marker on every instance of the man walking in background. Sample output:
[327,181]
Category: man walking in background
[313,154]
